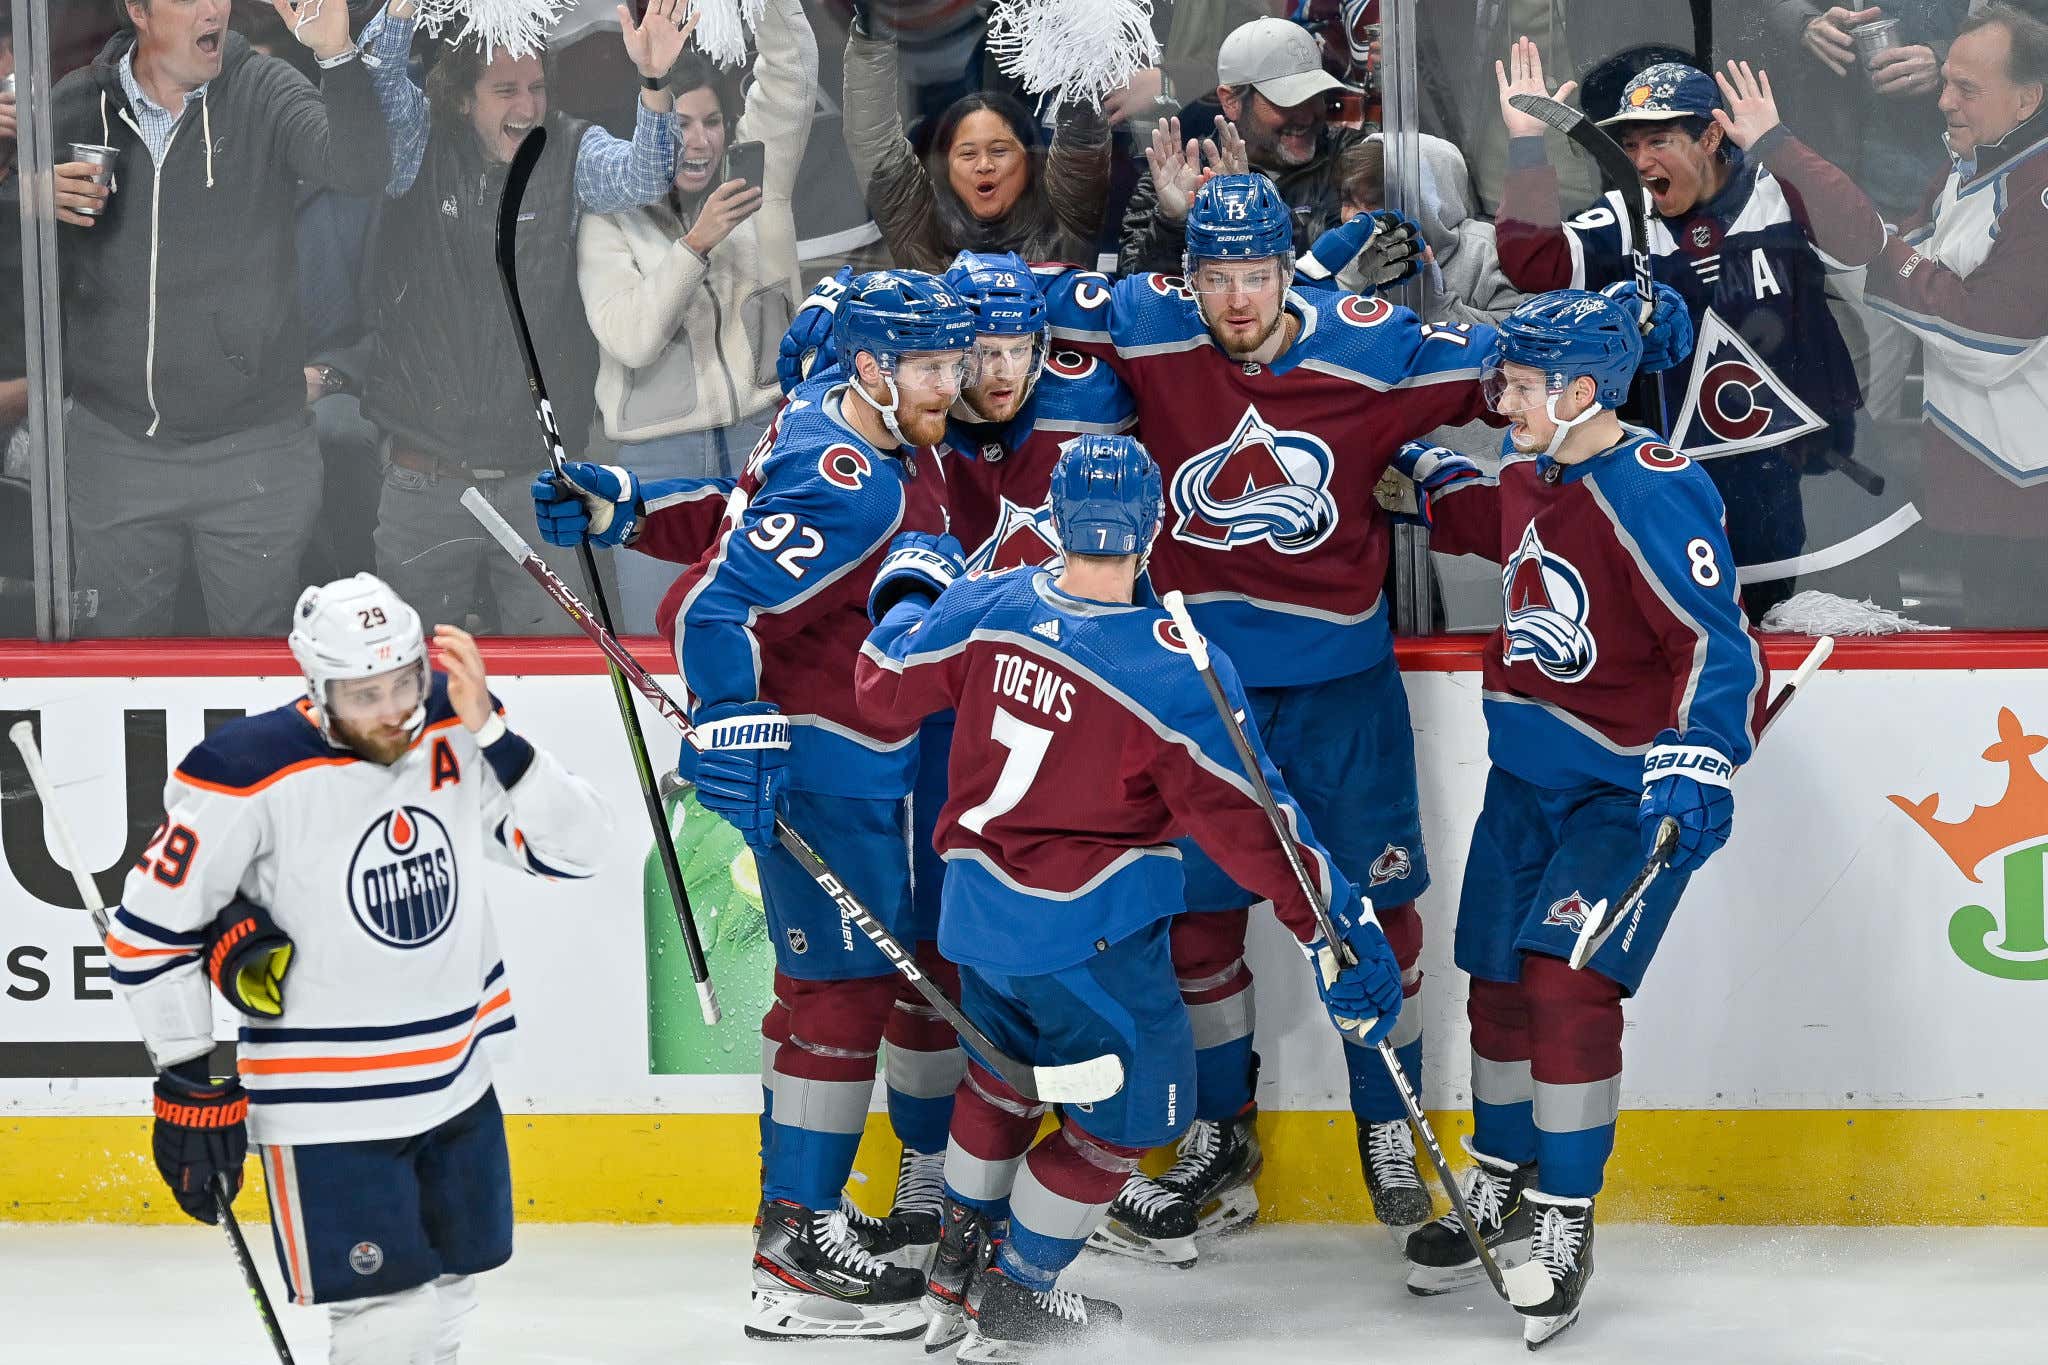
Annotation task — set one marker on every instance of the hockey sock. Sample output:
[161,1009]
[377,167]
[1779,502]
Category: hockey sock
[992,1128]
[1065,1188]
[924,1063]
[774,1033]
[1216,985]
[385,1329]
[454,1302]
[1575,1059]
[1374,1097]
[1503,1125]
[824,1076]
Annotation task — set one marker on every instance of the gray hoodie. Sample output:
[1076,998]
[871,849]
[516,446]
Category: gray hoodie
[1472,287]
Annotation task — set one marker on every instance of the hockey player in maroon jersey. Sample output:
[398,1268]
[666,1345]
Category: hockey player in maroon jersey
[1272,413]
[1622,689]
[1085,741]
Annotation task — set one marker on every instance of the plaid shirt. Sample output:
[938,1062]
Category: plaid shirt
[611,175]
[155,122]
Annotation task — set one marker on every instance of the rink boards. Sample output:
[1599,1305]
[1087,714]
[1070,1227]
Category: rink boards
[1841,1027]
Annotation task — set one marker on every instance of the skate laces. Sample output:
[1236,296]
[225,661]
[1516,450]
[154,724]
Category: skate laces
[1197,1150]
[1390,1147]
[1064,1304]
[835,1238]
[921,1182]
[1146,1196]
[1557,1241]
[1486,1193]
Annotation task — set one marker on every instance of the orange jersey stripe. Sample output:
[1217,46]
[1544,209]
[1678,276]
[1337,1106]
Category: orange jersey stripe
[301,766]
[281,1196]
[119,949]
[388,1061]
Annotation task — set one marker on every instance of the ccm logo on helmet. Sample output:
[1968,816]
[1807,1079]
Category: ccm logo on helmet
[1660,458]
[845,467]
[1364,312]
[1169,635]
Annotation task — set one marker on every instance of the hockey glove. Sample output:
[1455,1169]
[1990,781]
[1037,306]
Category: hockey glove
[247,956]
[1364,999]
[1433,470]
[744,767]
[603,512]
[1669,340]
[1370,253]
[807,344]
[1687,781]
[201,1132]
[918,565]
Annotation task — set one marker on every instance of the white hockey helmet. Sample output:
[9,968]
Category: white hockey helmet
[356,628]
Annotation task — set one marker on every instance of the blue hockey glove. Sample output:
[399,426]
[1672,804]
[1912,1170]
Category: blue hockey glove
[603,513]
[1687,780]
[744,767]
[807,345]
[1669,340]
[1420,471]
[1375,250]
[1364,1000]
[917,563]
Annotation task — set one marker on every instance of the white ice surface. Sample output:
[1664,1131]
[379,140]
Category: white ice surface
[636,1296]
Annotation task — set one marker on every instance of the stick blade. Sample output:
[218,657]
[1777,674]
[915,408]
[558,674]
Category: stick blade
[1088,1082]
[1589,935]
[1528,1284]
[1556,113]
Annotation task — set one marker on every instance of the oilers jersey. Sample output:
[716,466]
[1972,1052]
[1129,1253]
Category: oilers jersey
[776,609]
[1271,528]
[397,991]
[1085,743]
[1622,615]
[998,480]
[1769,366]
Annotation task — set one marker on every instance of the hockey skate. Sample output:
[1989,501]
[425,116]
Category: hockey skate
[967,1246]
[1011,1323]
[1215,1169]
[1149,1223]
[812,1280]
[1440,1258]
[913,1221]
[1563,1246]
[1386,1152]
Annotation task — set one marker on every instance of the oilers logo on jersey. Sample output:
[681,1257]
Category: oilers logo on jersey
[401,880]
[1260,484]
[1023,535]
[1546,612]
[1733,402]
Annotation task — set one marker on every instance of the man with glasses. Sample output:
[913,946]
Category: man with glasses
[1273,413]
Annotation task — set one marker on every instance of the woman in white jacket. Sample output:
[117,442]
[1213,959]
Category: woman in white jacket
[689,298]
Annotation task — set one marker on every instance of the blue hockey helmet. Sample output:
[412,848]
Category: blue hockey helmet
[1567,333]
[1238,218]
[1002,291]
[1106,496]
[889,313]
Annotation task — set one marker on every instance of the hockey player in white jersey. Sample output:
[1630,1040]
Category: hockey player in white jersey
[323,864]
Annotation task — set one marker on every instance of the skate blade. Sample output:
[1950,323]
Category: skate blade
[787,1315]
[947,1326]
[980,1350]
[1178,1252]
[1537,1331]
[1233,1210]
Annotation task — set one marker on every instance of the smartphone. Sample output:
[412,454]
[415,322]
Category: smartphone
[744,161]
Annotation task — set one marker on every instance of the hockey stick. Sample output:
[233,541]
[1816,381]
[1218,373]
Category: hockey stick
[1600,925]
[516,177]
[24,736]
[1198,650]
[1083,1082]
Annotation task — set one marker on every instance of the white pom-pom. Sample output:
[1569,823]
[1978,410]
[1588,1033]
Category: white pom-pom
[724,28]
[1823,613]
[1074,50]
[520,27]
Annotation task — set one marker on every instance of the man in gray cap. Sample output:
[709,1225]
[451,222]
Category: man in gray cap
[1271,87]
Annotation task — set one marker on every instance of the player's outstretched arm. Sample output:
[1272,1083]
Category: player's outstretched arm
[1452,497]
[539,817]
[911,665]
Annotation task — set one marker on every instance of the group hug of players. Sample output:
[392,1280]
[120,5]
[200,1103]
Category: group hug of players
[924,629]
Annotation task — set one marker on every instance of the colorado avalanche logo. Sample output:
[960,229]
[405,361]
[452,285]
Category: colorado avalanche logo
[1169,635]
[1390,866]
[1072,364]
[1734,402]
[402,878]
[845,467]
[1023,535]
[1259,485]
[1546,612]
[1570,912]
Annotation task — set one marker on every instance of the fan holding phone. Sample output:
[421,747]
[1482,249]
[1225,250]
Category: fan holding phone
[689,297]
